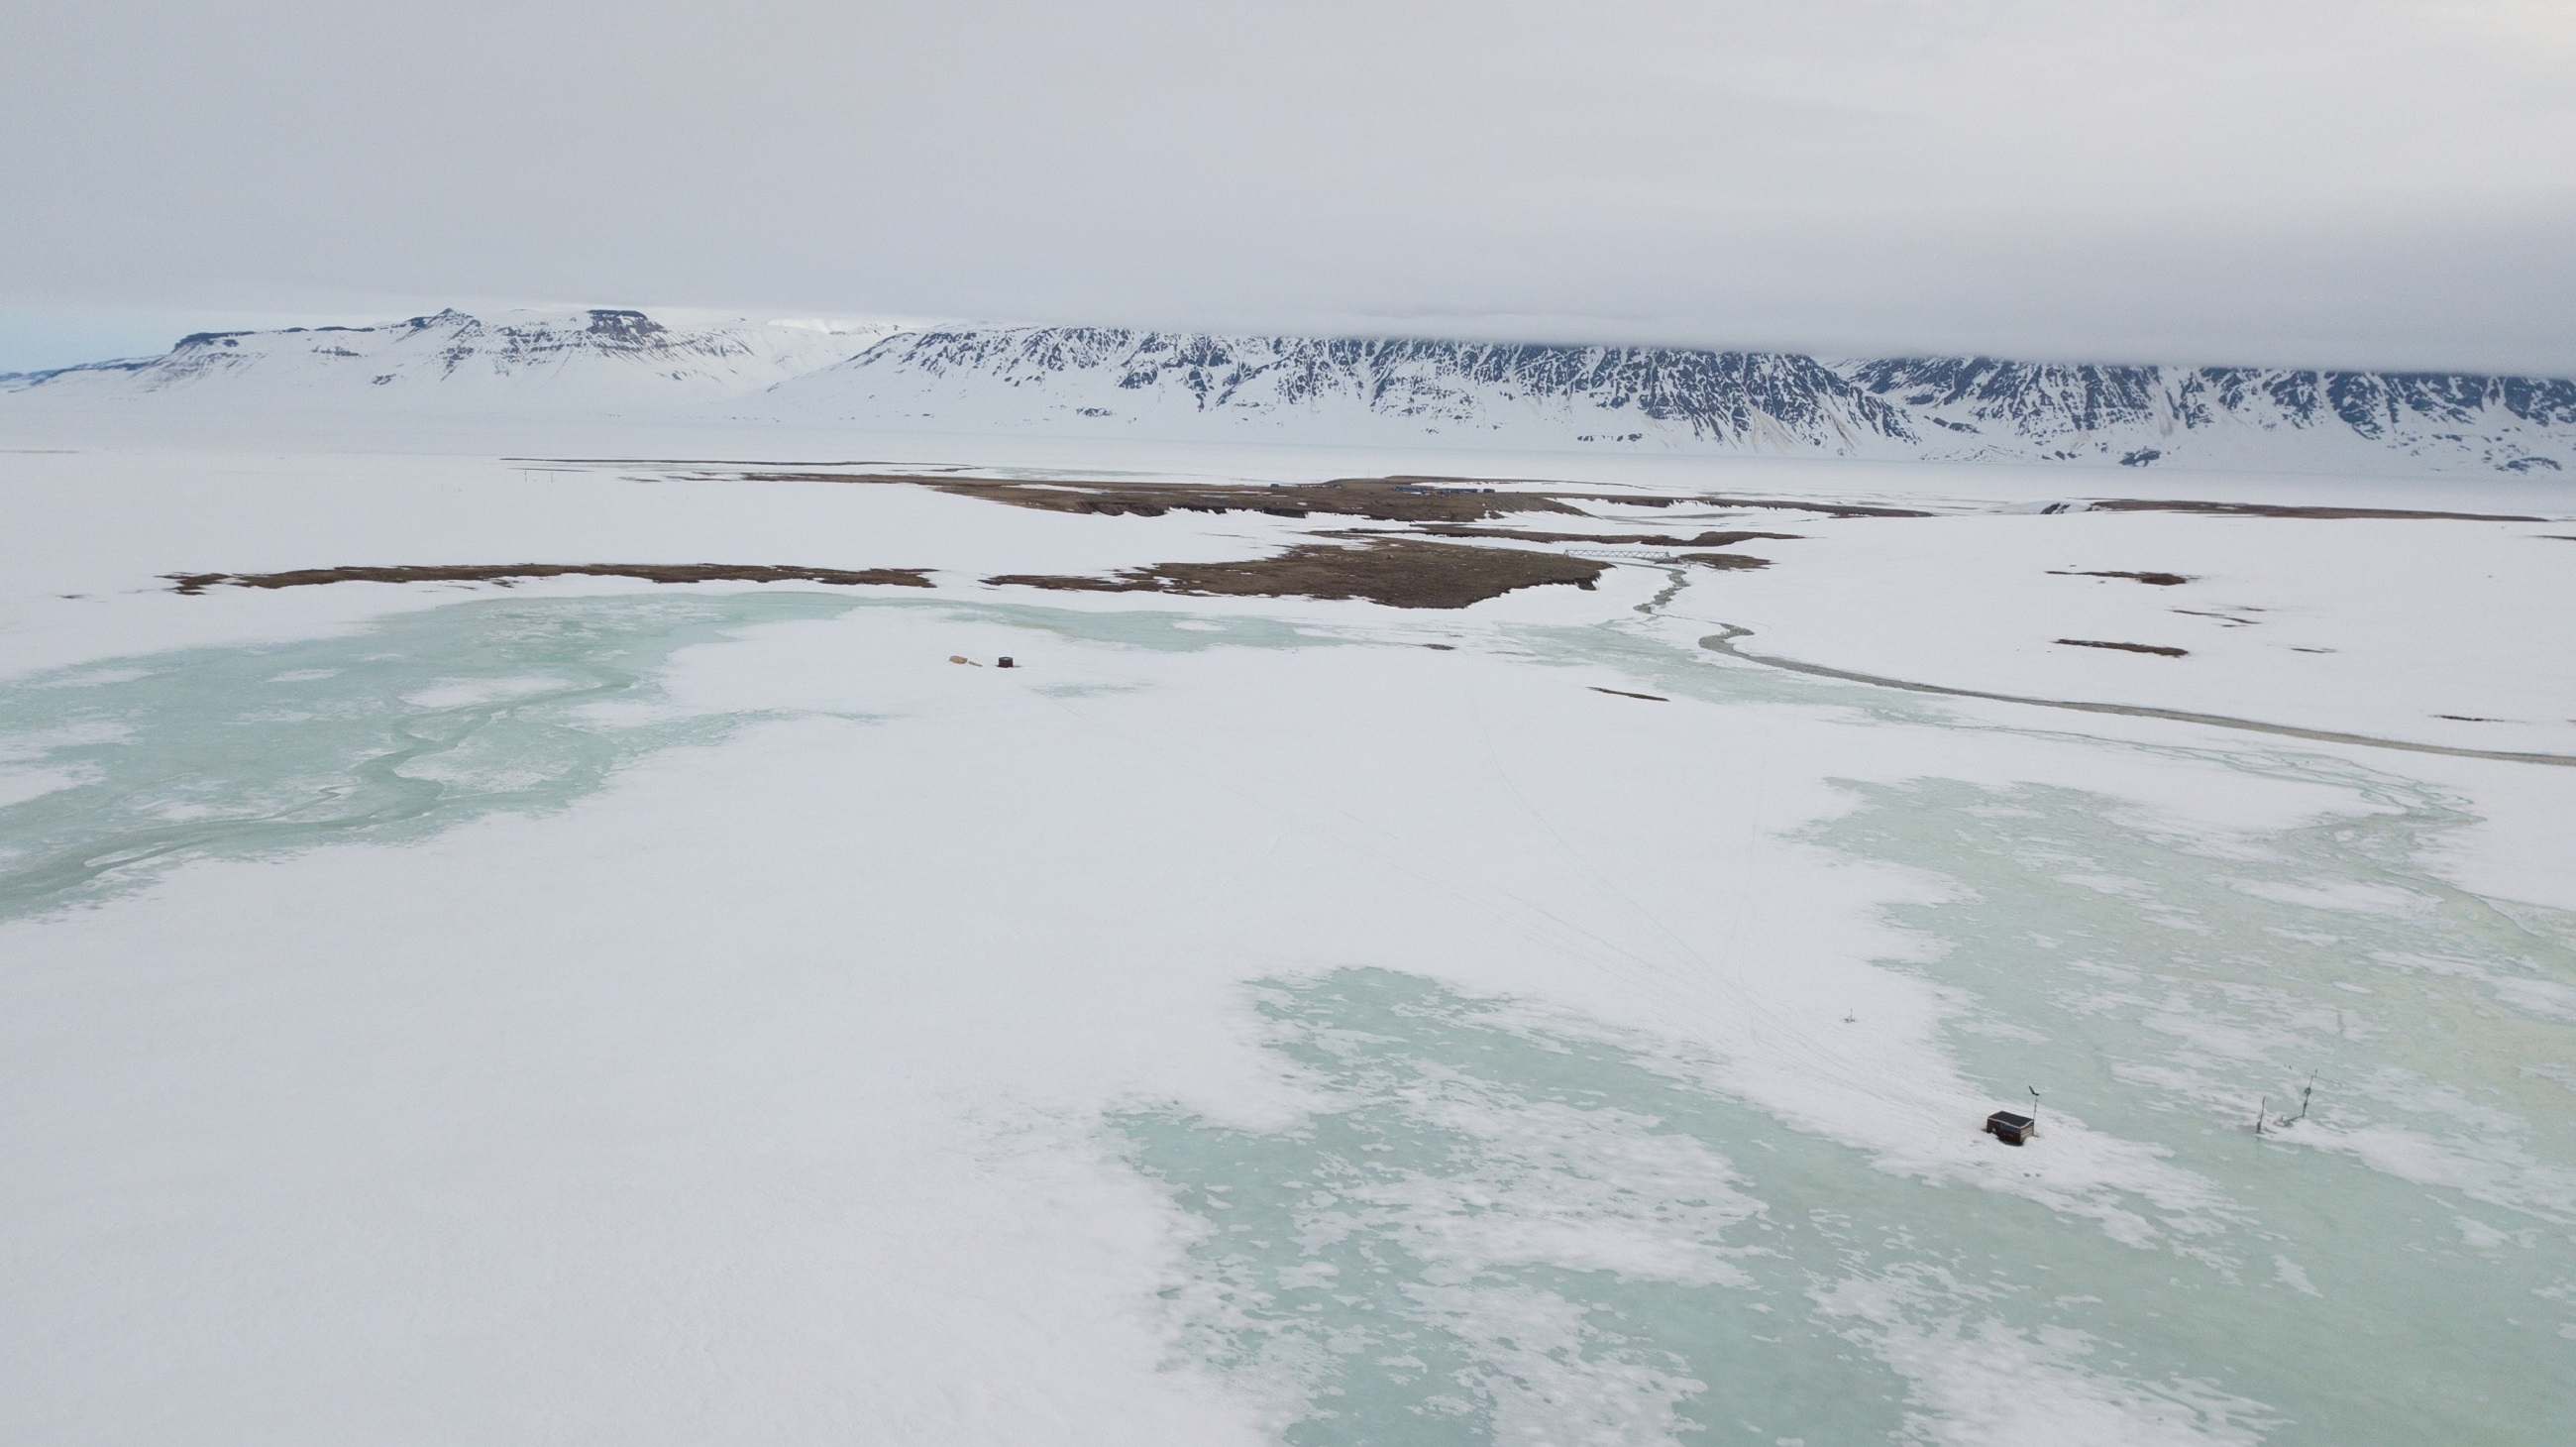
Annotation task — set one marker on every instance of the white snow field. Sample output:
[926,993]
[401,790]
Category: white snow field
[590,1010]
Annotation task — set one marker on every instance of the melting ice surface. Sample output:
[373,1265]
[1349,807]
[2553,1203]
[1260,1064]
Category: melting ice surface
[1504,1224]
[419,721]
[414,723]
[1506,1227]
[1502,1231]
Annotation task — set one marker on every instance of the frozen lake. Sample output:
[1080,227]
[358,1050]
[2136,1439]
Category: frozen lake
[659,1012]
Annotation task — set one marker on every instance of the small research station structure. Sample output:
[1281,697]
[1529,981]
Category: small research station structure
[2011,1129]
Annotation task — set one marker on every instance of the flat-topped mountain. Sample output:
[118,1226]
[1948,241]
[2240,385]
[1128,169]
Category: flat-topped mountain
[513,362]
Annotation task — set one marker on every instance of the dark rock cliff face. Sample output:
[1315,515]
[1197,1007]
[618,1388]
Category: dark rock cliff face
[1720,396]
[2040,402]
[2034,399]
[1934,407]
[607,333]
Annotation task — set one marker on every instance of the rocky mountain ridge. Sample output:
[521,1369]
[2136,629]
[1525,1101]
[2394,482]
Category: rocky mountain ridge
[1667,399]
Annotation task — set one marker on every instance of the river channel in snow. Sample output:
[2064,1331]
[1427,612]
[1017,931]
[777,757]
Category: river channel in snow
[1325,1033]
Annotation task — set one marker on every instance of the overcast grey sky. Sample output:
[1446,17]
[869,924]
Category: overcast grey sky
[2338,182]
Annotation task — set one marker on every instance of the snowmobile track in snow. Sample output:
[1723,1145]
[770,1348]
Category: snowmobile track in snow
[1725,643]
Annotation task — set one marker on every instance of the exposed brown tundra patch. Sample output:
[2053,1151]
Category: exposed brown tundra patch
[2160,580]
[1666,540]
[1383,499]
[2156,649]
[2283,510]
[1386,499]
[1398,572]
[507,573]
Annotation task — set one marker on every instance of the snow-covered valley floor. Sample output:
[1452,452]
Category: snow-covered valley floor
[590,1010]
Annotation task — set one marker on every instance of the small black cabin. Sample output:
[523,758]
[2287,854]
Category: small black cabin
[2011,1129]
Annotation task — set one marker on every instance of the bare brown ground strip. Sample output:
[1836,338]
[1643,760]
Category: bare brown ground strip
[2155,648]
[1725,643]
[507,573]
[2282,510]
[1659,540]
[1828,509]
[1623,693]
[1639,500]
[1397,572]
[1381,499]
[1150,499]
[1415,498]
[1399,498]
[2160,580]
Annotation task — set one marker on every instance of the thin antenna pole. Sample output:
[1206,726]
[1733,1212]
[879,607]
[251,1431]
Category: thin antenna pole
[2034,1105]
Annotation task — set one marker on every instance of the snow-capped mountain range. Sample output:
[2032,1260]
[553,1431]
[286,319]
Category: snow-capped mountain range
[1102,381]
